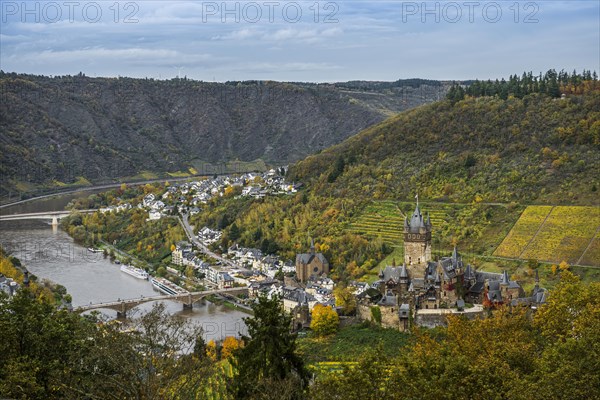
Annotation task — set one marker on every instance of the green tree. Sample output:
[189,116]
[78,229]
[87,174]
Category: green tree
[344,297]
[268,366]
[234,232]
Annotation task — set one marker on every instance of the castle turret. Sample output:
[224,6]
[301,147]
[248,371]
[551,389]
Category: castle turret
[417,242]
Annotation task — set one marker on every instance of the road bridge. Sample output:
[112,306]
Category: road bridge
[188,299]
[54,216]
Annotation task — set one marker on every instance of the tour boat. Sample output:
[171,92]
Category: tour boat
[135,272]
[166,286]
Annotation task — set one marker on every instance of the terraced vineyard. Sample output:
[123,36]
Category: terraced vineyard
[385,219]
[566,233]
[520,235]
[381,219]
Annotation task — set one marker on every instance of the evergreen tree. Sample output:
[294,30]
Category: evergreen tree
[268,361]
[234,232]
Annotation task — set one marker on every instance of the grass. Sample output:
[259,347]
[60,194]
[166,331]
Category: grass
[144,175]
[350,342]
[178,174]
[230,167]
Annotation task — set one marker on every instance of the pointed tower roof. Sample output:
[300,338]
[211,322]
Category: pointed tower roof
[416,221]
[469,272]
[403,272]
[455,254]
[411,288]
[312,246]
[504,280]
[428,219]
[380,272]
[394,262]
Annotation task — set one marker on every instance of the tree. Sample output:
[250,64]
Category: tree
[212,351]
[344,297]
[324,321]
[230,345]
[234,232]
[268,361]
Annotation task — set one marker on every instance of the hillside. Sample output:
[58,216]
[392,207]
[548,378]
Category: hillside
[475,164]
[531,150]
[80,130]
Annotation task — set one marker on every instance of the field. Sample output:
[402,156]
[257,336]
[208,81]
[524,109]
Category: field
[381,219]
[520,235]
[565,233]
[474,228]
[349,343]
[385,219]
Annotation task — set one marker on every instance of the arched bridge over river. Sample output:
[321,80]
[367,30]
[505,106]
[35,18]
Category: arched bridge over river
[188,299]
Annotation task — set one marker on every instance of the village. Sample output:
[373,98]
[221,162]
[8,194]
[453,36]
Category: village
[418,291]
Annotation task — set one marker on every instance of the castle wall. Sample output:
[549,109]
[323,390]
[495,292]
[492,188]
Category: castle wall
[389,316]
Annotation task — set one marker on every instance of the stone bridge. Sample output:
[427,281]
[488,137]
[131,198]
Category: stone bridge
[188,299]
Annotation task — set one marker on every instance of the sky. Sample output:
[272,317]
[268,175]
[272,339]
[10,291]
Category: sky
[315,41]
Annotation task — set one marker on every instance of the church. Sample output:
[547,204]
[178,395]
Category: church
[311,264]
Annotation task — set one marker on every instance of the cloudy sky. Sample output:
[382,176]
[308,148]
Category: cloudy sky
[317,41]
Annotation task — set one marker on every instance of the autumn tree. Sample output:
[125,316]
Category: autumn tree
[325,320]
[230,344]
[344,297]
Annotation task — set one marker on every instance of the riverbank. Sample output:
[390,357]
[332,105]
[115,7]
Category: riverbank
[220,300]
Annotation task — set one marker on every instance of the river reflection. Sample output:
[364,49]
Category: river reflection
[90,278]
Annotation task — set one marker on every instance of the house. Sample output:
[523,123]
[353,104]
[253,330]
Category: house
[154,215]
[182,250]
[8,285]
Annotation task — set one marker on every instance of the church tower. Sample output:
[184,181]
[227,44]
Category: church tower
[417,242]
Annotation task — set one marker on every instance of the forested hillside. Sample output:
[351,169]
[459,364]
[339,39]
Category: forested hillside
[532,149]
[76,130]
[537,149]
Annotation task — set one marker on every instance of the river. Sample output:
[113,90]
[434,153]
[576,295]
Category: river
[50,253]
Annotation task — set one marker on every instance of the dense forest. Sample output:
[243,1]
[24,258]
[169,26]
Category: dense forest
[551,83]
[487,149]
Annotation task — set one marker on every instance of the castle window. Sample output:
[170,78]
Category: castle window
[315,269]
[410,260]
[418,260]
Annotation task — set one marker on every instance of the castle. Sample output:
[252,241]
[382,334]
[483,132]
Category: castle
[444,285]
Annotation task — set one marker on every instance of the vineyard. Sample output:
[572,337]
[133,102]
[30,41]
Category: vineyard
[555,234]
[520,235]
[385,219]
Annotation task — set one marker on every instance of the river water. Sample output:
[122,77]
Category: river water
[50,253]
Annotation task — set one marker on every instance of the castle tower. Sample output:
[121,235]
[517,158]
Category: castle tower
[417,242]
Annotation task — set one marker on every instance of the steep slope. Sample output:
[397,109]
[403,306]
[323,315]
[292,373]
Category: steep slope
[534,149]
[58,130]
